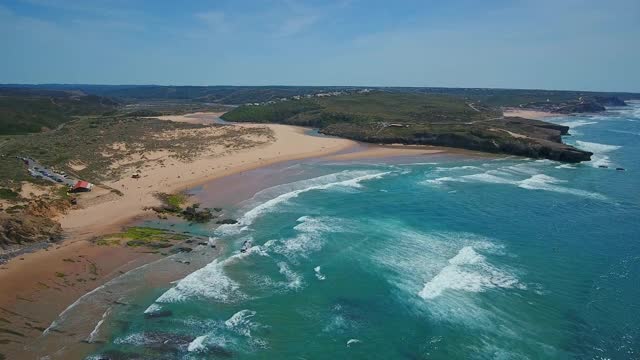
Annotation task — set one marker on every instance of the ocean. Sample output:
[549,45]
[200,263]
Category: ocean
[438,257]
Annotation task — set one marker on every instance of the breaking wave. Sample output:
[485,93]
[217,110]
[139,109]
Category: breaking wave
[599,157]
[468,271]
[208,282]
[270,198]
[526,176]
[577,123]
[309,237]
[294,280]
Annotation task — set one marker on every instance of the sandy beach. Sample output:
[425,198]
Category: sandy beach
[527,114]
[30,281]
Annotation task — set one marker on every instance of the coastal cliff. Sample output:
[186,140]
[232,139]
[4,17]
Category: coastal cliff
[419,119]
[592,104]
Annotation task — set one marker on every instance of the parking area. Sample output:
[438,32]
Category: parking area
[38,171]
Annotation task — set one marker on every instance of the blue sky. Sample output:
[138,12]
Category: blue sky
[554,44]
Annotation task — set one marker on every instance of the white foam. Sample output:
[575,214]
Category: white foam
[294,280]
[595,147]
[153,308]
[96,329]
[467,271]
[352,341]
[456,168]
[309,237]
[132,339]
[566,166]
[241,323]
[319,274]
[599,157]
[344,179]
[513,175]
[577,123]
[197,344]
[208,282]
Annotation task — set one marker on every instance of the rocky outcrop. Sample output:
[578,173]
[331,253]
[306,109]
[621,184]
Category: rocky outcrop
[592,104]
[609,101]
[22,229]
[515,136]
[585,106]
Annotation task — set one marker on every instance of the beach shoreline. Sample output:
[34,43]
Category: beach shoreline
[32,283]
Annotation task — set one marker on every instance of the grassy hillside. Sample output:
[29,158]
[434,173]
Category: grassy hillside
[365,108]
[26,111]
[429,119]
[249,94]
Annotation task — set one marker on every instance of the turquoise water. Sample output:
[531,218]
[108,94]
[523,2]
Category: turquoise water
[447,258]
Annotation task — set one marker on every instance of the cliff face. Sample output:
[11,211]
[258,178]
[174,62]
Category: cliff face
[22,229]
[609,101]
[515,136]
[422,119]
[582,105]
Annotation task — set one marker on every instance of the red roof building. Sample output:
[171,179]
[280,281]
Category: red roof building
[82,186]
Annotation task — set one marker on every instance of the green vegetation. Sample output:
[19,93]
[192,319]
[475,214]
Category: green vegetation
[423,119]
[176,200]
[364,109]
[8,194]
[26,111]
[60,274]
[144,237]
[200,95]
[89,142]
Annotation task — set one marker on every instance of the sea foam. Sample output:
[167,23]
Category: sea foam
[269,199]
[526,176]
[467,271]
[599,157]
[208,282]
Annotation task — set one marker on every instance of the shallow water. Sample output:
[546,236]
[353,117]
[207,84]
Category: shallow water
[436,258]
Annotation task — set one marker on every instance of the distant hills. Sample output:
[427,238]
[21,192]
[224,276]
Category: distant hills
[238,95]
[469,118]
[25,110]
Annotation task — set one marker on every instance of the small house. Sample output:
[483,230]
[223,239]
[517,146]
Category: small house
[82,186]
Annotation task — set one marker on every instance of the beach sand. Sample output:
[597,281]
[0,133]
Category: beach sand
[527,114]
[36,287]
[202,118]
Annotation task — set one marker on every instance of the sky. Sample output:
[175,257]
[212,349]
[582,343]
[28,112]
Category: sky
[542,44]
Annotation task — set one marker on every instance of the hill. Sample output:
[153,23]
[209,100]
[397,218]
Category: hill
[424,119]
[32,110]
[237,95]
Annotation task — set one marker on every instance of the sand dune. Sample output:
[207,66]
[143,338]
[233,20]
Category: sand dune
[172,175]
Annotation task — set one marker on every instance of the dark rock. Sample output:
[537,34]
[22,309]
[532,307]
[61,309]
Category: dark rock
[181,249]
[20,229]
[192,213]
[227,221]
[609,101]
